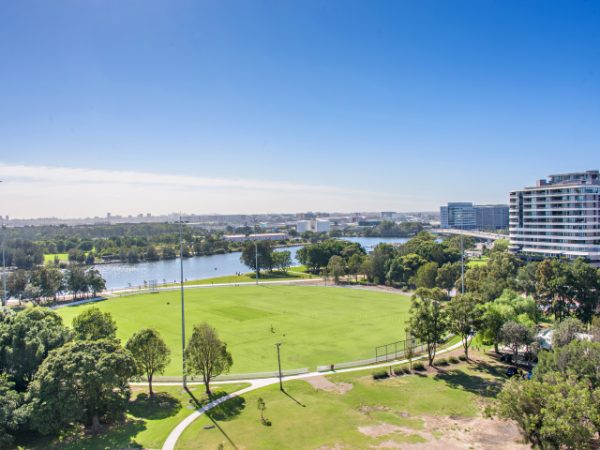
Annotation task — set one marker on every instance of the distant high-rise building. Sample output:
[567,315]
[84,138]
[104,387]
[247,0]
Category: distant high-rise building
[458,215]
[491,217]
[559,216]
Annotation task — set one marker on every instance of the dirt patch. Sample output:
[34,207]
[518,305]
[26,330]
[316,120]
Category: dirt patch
[322,383]
[477,433]
[330,447]
[381,429]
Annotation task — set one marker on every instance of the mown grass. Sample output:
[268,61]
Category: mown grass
[317,325]
[306,418]
[50,257]
[149,421]
[294,273]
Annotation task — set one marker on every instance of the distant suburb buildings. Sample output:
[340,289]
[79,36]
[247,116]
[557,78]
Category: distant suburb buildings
[559,216]
[466,216]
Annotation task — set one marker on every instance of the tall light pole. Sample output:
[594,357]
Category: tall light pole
[278,344]
[182,301]
[462,264]
[255,249]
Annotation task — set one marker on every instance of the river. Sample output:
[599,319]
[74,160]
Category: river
[198,267]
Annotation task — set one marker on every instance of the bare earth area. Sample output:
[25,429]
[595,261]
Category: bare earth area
[447,433]
[324,384]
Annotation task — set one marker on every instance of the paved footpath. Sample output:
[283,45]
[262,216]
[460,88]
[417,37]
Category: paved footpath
[260,383]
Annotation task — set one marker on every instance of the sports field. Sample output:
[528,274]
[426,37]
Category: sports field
[317,325]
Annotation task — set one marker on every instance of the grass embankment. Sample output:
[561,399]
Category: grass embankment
[481,261]
[363,414]
[317,325]
[149,421]
[294,273]
[50,257]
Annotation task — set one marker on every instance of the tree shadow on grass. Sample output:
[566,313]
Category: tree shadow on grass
[223,411]
[471,383]
[161,406]
[119,435]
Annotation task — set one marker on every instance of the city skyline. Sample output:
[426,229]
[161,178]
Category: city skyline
[225,107]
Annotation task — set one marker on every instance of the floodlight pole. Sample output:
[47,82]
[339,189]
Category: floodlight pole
[182,301]
[462,265]
[255,250]
[278,344]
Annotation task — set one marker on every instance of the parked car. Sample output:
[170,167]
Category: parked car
[511,372]
[507,358]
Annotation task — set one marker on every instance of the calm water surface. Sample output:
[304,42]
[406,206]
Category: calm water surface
[196,268]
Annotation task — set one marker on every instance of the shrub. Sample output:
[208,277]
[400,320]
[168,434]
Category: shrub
[419,366]
[462,357]
[442,362]
[380,374]
[401,370]
[453,360]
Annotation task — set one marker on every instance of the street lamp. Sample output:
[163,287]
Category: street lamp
[182,301]
[278,344]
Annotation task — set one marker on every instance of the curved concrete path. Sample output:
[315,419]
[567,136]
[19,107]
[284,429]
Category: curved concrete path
[257,384]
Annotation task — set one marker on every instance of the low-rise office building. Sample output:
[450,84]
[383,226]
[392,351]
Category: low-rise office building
[466,216]
[559,216]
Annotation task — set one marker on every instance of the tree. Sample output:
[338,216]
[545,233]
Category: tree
[554,287]
[206,354]
[82,382]
[49,280]
[150,352]
[579,359]
[463,318]
[75,280]
[586,289]
[336,268]
[564,332]
[427,319]
[16,283]
[93,324]
[354,265]
[26,339]
[516,335]
[526,278]
[426,275]
[554,411]
[95,282]
[282,260]
[447,276]
[265,255]
[10,419]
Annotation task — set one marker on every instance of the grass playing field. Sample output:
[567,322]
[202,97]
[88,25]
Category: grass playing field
[49,257]
[317,325]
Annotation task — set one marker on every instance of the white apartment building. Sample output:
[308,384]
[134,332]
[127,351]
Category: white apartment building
[322,226]
[559,216]
[302,226]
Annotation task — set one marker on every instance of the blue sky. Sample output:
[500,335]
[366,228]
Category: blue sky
[290,106]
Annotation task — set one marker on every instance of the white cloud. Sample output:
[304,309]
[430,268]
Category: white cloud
[43,191]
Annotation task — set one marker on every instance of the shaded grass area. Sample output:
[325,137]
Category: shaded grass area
[308,418]
[149,421]
[316,325]
[481,261]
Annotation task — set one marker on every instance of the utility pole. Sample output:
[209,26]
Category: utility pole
[278,344]
[255,250]
[182,301]
[462,264]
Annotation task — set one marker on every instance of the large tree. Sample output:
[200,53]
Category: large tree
[96,283]
[464,318]
[26,338]
[516,335]
[336,268]
[83,382]
[355,264]
[265,255]
[428,319]
[426,275]
[93,324]
[150,352]
[10,417]
[206,354]
[282,260]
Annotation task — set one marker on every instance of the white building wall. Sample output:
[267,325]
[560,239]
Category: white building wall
[322,226]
